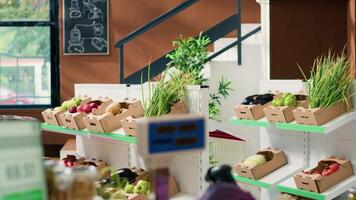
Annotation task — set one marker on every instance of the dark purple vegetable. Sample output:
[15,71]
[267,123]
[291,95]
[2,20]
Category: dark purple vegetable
[265,97]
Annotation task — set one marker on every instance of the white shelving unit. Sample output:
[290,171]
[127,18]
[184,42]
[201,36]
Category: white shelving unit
[290,187]
[120,151]
[304,146]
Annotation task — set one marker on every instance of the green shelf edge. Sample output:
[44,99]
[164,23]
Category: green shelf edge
[303,193]
[300,127]
[111,136]
[245,122]
[252,182]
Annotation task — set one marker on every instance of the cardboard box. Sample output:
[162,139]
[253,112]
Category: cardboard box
[69,148]
[107,122]
[129,124]
[76,120]
[285,196]
[52,116]
[172,186]
[283,113]
[136,197]
[320,116]
[178,108]
[319,183]
[275,159]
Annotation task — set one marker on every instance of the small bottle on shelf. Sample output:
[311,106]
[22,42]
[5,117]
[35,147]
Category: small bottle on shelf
[352,194]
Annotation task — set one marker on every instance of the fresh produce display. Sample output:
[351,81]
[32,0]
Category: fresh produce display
[122,182]
[330,81]
[258,99]
[254,160]
[326,171]
[87,108]
[287,99]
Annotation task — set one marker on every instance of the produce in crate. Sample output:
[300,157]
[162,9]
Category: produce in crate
[329,90]
[329,172]
[261,164]
[255,99]
[329,168]
[252,106]
[254,160]
[52,116]
[287,99]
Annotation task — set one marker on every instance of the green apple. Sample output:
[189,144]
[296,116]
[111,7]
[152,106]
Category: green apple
[59,108]
[64,105]
[71,103]
[144,184]
[129,188]
[275,102]
[77,101]
[285,95]
[280,102]
[139,189]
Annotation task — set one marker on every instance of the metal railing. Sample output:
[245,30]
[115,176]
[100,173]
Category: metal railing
[214,33]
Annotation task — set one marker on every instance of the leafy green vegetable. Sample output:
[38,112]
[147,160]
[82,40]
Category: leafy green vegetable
[190,56]
[330,81]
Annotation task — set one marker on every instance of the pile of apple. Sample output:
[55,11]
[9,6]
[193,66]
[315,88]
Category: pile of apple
[87,108]
[287,99]
[254,160]
[327,170]
[66,105]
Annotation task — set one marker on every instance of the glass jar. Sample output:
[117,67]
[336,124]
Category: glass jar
[352,194]
[81,182]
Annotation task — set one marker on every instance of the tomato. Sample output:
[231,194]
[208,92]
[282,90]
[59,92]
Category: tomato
[334,167]
[327,172]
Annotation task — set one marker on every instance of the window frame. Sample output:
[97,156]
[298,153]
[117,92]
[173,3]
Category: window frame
[53,24]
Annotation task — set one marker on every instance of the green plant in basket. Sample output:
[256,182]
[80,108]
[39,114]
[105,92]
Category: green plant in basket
[330,81]
[166,93]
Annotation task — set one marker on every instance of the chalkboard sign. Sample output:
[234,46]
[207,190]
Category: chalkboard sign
[86,28]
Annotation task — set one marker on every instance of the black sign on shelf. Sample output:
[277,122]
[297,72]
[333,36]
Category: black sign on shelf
[86,27]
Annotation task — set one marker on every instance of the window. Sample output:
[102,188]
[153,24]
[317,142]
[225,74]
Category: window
[29,53]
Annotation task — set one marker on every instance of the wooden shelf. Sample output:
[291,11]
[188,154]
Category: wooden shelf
[117,135]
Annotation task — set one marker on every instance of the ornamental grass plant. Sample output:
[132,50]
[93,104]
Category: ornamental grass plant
[330,81]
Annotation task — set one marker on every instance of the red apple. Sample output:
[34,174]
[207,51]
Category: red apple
[87,108]
[80,109]
[94,105]
[73,109]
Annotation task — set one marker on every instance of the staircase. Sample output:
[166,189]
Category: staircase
[215,33]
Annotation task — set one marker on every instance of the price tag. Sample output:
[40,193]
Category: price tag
[21,166]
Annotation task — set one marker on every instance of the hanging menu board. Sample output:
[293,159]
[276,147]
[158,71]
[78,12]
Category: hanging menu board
[86,28]
[21,167]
